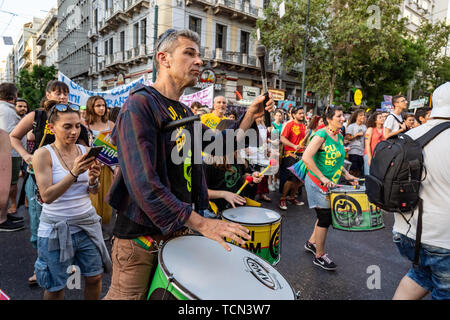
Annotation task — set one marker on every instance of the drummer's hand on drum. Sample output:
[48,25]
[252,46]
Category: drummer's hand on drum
[327,183]
[233,198]
[217,230]
[352,179]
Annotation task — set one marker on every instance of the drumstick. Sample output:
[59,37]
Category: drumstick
[248,180]
[272,162]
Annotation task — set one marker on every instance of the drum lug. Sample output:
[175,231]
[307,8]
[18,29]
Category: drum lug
[297,295]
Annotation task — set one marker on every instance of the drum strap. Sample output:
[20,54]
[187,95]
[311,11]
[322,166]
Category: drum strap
[317,182]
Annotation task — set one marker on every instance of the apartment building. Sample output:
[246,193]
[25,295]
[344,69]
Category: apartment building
[25,51]
[47,40]
[73,42]
[120,42]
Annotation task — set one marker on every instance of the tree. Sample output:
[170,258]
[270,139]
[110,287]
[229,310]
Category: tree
[31,85]
[347,38]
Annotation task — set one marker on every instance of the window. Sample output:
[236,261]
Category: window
[122,41]
[221,36]
[95,18]
[144,31]
[135,35]
[111,48]
[245,37]
[195,24]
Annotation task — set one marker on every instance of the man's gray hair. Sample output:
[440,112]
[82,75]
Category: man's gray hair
[168,41]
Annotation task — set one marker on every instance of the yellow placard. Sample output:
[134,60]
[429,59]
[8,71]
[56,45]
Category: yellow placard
[358,97]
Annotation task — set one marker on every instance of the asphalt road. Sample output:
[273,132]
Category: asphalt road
[360,256]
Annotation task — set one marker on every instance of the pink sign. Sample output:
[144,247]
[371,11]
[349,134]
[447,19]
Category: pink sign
[205,97]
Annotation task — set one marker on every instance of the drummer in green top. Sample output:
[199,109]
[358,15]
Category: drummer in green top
[324,158]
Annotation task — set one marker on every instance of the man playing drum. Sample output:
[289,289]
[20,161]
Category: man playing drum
[324,158]
[154,194]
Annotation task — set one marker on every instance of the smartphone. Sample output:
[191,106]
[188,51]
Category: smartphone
[94,152]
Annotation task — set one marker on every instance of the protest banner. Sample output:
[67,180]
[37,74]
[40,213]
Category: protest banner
[108,155]
[113,97]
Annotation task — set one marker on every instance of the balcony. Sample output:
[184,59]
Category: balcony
[93,70]
[114,63]
[113,17]
[138,55]
[26,52]
[234,9]
[41,39]
[233,60]
[42,54]
[135,6]
[93,33]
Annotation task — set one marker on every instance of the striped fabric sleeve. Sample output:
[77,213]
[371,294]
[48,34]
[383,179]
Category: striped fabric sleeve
[136,139]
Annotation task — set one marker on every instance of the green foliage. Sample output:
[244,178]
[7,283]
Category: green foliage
[32,84]
[346,47]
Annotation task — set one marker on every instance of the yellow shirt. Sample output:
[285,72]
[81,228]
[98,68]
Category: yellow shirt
[211,120]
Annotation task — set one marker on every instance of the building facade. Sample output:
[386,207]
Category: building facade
[73,42]
[47,40]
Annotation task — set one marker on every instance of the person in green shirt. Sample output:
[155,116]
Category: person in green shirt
[324,158]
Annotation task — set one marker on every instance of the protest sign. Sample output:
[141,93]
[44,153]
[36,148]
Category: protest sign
[108,155]
[205,97]
[113,97]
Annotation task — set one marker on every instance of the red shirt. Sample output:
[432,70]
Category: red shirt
[294,133]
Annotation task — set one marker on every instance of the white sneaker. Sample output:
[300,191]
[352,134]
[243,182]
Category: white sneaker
[272,187]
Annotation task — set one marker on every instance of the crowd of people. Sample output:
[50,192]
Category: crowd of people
[71,195]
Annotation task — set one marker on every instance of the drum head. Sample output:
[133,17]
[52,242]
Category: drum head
[349,189]
[203,269]
[251,215]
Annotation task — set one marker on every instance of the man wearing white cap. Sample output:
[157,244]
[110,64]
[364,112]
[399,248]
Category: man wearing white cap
[433,273]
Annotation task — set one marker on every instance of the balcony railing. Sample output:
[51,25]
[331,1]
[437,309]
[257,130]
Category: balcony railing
[41,39]
[132,6]
[233,58]
[113,17]
[236,9]
[42,54]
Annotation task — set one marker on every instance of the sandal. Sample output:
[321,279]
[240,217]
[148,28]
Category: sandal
[266,198]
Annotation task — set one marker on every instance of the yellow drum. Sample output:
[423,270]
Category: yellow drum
[352,211]
[265,230]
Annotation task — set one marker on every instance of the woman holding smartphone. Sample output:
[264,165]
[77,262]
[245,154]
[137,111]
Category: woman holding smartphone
[36,121]
[69,231]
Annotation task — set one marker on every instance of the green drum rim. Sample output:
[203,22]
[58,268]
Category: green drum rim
[174,287]
[338,226]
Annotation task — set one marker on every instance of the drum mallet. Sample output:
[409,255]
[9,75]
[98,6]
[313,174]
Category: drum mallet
[272,162]
[248,180]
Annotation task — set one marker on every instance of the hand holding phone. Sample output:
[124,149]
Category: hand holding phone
[94,152]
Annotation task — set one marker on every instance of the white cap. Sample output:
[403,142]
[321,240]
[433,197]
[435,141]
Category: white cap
[441,101]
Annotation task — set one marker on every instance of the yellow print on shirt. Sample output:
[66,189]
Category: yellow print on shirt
[331,155]
[181,136]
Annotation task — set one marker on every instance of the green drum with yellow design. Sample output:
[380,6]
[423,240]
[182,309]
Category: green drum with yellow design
[352,211]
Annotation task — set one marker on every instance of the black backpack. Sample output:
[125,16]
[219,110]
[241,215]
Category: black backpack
[395,175]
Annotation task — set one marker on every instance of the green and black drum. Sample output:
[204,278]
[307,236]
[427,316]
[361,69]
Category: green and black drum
[352,211]
[197,268]
[265,229]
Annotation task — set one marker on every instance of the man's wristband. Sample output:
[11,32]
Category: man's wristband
[93,186]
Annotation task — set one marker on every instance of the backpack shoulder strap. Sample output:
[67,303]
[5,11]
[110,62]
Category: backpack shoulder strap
[396,119]
[431,134]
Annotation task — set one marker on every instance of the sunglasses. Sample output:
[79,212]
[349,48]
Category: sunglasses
[63,108]
[164,37]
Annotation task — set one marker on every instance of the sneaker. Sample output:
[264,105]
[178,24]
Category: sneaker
[8,225]
[13,218]
[325,262]
[296,202]
[282,204]
[272,187]
[311,247]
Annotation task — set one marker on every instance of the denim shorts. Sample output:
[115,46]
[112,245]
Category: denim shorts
[52,275]
[433,272]
[316,197]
